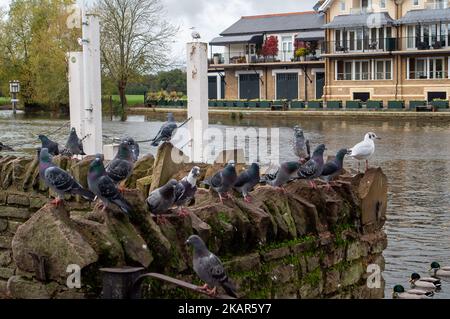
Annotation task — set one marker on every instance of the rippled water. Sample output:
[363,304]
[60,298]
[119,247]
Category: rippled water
[414,154]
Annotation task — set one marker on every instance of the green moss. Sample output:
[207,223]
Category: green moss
[314,277]
[224,217]
[287,243]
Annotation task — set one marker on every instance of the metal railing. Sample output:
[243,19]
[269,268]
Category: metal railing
[241,57]
[364,76]
[423,75]
[436,5]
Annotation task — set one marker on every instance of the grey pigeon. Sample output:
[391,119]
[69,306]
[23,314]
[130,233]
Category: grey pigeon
[209,268]
[302,147]
[4,147]
[186,189]
[121,167]
[247,180]
[52,147]
[104,187]
[166,131]
[314,167]
[286,172]
[334,167]
[162,199]
[74,144]
[58,180]
[223,181]
[134,147]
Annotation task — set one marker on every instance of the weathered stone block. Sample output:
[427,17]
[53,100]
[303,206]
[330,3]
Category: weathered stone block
[301,248]
[12,226]
[18,199]
[70,294]
[356,250]
[288,291]
[50,232]
[3,225]
[332,281]
[143,185]
[275,254]
[6,273]
[5,242]
[249,262]
[5,258]
[352,275]
[21,288]
[3,289]
[312,262]
[15,212]
[2,197]
[333,256]
[38,201]
[283,274]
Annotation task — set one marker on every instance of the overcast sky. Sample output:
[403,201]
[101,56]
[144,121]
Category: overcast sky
[210,17]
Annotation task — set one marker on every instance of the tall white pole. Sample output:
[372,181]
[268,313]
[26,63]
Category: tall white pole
[197,91]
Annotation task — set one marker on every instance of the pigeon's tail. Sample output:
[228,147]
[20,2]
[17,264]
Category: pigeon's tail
[86,194]
[155,143]
[229,288]
[82,153]
[124,205]
[206,182]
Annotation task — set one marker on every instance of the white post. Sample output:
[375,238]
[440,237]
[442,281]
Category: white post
[197,91]
[76,90]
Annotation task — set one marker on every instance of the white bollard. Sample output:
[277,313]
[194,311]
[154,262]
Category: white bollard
[197,92]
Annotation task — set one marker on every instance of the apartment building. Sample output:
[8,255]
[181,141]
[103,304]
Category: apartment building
[244,66]
[386,49]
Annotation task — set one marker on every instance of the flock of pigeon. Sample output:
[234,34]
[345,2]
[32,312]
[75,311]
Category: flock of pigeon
[423,287]
[104,183]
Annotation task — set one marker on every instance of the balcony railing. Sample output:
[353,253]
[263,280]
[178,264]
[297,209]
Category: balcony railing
[364,76]
[436,5]
[241,57]
[388,44]
[424,75]
[363,10]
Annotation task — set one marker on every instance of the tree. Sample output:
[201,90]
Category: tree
[270,47]
[173,80]
[134,41]
[34,40]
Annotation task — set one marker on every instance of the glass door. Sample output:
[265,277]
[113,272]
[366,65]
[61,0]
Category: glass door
[287,53]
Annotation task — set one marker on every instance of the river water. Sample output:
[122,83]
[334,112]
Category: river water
[414,154]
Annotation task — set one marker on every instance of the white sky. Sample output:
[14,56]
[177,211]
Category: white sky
[210,17]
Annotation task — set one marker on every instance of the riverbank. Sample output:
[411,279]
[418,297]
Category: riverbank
[257,113]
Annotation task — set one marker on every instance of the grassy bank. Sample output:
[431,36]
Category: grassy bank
[131,99]
[4,100]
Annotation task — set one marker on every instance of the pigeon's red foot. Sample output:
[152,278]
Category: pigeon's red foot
[56,202]
[248,199]
[281,189]
[312,184]
[212,292]
[121,189]
[183,212]
[161,220]
[328,187]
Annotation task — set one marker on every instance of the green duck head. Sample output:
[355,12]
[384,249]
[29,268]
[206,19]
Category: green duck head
[435,266]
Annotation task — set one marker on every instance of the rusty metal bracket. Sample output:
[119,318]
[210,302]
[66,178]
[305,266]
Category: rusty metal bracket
[39,265]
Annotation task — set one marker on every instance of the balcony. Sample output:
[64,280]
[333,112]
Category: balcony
[361,46]
[436,5]
[241,57]
[363,10]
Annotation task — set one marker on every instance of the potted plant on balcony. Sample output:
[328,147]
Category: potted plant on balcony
[301,54]
[396,104]
[374,104]
[440,104]
[217,58]
[334,104]
[353,104]
[415,103]
[252,103]
[270,47]
[265,103]
[297,104]
[315,104]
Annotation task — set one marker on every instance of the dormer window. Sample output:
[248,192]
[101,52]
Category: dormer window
[415,2]
[366,5]
[382,4]
[342,5]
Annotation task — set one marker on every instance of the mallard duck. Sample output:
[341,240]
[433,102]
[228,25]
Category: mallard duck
[426,282]
[438,271]
[400,293]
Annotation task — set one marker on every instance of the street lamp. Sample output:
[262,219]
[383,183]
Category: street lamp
[14,89]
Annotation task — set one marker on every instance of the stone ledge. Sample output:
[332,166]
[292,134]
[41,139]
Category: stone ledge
[15,212]
[18,199]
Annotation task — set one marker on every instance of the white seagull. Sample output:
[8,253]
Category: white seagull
[195,35]
[364,150]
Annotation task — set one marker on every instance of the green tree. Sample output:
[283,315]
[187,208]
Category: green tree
[34,40]
[135,40]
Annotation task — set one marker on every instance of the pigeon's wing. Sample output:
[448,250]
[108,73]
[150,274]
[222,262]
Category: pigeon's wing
[109,191]
[168,129]
[158,135]
[216,180]
[119,170]
[215,268]
[308,148]
[309,169]
[59,179]
[242,179]
[154,199]
[330,168]
[180,191]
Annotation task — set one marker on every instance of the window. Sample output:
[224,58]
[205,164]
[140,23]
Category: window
[362,70]
[427,68]
[342,5]
[382,4]
[288,52]
[383,70]
[415,2]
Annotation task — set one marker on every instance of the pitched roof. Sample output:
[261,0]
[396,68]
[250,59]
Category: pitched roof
[425,16]
[360,20]
[278,22]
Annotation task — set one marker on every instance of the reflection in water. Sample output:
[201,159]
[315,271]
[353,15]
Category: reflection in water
[414,154]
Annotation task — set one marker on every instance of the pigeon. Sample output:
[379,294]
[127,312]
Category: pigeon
[162,199]
[195,35]
[209,268]
[424,282]
[52,147]
[134,147]
[121,167]
[58,180]
[104,187]
[302,147]
[4,147]
[286,172]
[223,180]
[314,167]
[186,189]
[334,167]
[166,131]
[247,180]
[365,149]
[74,144]
[400,293]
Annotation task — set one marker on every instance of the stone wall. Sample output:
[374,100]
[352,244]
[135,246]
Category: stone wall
[302,244]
